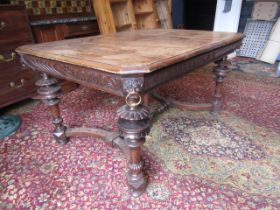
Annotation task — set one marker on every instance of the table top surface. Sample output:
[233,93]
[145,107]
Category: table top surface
[132,52]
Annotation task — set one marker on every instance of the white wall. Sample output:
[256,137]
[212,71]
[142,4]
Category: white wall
[229,21]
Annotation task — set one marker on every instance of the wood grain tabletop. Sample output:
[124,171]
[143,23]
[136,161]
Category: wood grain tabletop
[131,52]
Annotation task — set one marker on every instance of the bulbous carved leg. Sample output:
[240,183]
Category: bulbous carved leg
[220,71]
[48,91]
[134,125]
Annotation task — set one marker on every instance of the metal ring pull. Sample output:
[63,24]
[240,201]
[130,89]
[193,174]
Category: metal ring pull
[13,84]
[13,56]
[2,25]
[133,104]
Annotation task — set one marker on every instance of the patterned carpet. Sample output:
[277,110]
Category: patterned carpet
[193,160]
[256,67]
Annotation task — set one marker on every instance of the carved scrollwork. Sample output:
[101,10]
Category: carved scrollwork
[36,65]
[179,69]
[83,75]
[90,76]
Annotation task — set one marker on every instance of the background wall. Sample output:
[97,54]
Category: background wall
[178,13]
[194,14]
[200,14]
[227,21]
[246,11]
[53,7]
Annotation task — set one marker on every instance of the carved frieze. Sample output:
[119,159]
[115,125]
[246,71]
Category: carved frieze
[37,65]
[119,84]
[174,71]
[82,75]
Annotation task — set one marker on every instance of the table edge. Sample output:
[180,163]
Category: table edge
[118,84]
[132,69]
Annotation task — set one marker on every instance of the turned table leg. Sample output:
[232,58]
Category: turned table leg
[48,91]
[146,99]
[134,125]
[220,71]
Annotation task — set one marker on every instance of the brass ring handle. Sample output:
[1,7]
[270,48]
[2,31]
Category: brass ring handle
[13,84]
[2,25]
[13,56]
[133,104]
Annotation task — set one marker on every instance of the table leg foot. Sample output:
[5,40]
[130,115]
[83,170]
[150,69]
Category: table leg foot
[137,183]
[220,72]
[134,125]
[49,91]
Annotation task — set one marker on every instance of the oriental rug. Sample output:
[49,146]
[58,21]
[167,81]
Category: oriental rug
[192,159]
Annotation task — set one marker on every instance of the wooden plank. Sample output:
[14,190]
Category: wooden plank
[114,15]
[163,10]
[131,14]
[104,16]
[146,14]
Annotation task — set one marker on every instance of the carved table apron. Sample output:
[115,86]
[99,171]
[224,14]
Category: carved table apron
[127,64]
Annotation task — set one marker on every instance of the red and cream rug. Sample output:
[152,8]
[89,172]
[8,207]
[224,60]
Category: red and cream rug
[193,160]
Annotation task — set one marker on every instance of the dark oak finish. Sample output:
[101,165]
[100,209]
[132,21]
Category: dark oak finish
[15,24]
[49,91]
[53,30]
[60,31]
[16,83]
[134,125]
[220,72]
[128,64]
[82,29]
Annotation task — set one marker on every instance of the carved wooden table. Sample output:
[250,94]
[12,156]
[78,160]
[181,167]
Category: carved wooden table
[127,64]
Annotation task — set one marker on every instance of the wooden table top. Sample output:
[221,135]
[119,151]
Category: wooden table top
[132,52]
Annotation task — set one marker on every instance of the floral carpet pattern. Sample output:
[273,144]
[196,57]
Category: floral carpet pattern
[211,137]
[193,160]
